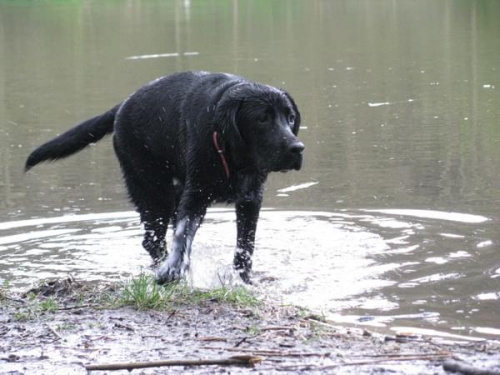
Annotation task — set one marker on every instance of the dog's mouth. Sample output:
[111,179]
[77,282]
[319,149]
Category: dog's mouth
[298,164]
[288,165]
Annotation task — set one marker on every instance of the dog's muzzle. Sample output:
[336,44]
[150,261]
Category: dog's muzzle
[296,149]
[291,158]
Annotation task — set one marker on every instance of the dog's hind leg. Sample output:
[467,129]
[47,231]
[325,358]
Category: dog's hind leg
[156,205]
[156,210]
[154,197]
[155,227]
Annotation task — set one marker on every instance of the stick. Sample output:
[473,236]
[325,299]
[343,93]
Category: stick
[423,357]
[277,328]
[402,355]
[212,338]
[246,360]
[74,307]
[455,366]
[270,353]
[54,332]
[12,299]
[241,341]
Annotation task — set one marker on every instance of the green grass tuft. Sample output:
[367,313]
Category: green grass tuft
[144,293]
[239,296]
[49,305]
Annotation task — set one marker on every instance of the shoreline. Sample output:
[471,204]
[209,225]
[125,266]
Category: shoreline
[64,326]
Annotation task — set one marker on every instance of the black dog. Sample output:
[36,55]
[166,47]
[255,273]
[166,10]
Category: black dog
[185,141]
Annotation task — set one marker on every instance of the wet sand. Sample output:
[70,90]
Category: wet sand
[66,338]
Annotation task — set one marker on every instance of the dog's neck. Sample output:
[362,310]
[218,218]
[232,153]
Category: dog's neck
[215,138]
[240,166]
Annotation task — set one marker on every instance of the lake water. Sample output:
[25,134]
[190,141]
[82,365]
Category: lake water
[394,219]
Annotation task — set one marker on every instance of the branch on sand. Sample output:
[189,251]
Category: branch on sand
[416,357]
[270,353]
[241,360]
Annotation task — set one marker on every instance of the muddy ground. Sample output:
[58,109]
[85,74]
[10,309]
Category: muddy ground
[38,336]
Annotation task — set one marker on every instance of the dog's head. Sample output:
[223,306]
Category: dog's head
[260,124]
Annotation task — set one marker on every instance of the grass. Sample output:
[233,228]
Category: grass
[35,307]
[144,293]
[141,292]
[239,296]
[49,305]
[253,330]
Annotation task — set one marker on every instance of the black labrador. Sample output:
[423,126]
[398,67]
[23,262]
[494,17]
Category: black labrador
[187,140]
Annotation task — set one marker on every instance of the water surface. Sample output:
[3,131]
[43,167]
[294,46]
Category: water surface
[393,219]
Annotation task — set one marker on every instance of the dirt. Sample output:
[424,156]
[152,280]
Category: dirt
[38,337]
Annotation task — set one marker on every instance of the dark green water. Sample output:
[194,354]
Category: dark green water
[401,108]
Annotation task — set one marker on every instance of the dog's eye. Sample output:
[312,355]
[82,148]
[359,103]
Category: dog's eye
[263,118]
[291,118]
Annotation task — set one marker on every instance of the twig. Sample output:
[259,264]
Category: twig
[455,366]
[244,360]
[75,307]
[12,299]
[54,332]
[423,357]
[403,355]
[241,341]
[124,326]
[171,315]
[271,353]
[212,338]
[277,328]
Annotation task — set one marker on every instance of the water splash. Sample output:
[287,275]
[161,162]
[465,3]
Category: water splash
[364,267]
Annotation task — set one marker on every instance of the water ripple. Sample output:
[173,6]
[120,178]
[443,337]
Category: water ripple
[364,267]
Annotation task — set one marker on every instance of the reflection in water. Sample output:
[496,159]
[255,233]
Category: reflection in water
[175,54]
[399,99]
[356,267]
[426,214]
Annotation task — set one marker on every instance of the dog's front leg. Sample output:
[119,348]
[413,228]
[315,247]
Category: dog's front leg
[177,263]
[247,215]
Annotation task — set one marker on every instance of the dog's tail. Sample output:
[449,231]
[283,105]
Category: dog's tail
[75,139]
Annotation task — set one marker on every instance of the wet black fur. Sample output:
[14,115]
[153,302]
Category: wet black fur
[163,138]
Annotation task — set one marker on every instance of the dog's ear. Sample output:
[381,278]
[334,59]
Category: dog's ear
[226,119]
[296,126]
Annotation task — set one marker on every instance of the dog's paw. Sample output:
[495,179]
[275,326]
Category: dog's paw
[155,263]
[172,269]
[245,276]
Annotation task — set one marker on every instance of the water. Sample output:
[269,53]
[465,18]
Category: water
[393,220]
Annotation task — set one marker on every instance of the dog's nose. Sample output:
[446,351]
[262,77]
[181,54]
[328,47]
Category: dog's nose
[296,148]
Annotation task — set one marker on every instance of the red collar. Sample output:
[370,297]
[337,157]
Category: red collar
[221,153]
